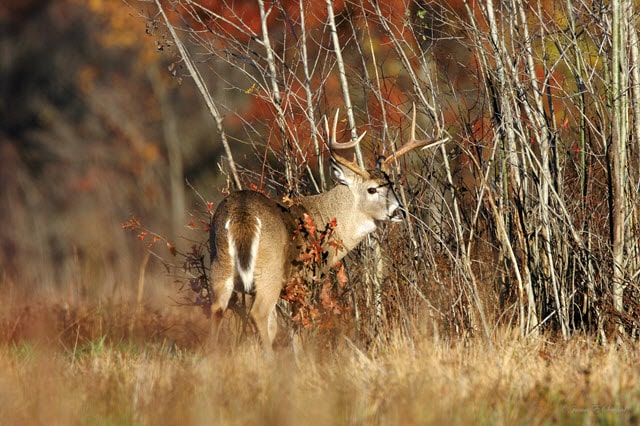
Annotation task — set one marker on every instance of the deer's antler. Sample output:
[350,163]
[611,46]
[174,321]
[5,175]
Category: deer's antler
[412,144]
[334,145]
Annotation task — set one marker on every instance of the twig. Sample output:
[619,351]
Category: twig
[202,88]
[343,79]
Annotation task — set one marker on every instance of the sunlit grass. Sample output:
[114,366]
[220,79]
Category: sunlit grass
[99,371]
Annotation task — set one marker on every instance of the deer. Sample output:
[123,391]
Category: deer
[252,243]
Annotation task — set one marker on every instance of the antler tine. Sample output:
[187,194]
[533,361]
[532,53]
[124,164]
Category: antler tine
[333,145]
[414,143]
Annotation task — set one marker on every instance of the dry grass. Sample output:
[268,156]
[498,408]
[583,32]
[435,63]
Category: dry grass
[90,366]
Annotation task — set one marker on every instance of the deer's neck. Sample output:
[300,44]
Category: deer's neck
[351,225]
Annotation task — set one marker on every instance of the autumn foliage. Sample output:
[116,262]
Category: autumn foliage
[314,299]
[525,219]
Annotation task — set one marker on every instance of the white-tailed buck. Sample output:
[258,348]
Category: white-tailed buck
[254,244]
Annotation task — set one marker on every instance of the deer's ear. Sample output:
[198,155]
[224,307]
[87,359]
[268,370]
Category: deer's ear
[342,174]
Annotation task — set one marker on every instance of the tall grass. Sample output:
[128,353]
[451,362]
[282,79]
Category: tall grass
[63,365]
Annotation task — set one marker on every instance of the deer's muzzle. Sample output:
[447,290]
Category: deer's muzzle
[398,214]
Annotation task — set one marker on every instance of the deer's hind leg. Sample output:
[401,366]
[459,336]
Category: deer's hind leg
[263,311]
[222,282]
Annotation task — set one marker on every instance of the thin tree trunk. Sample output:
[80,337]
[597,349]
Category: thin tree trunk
[617,154]
[174,153]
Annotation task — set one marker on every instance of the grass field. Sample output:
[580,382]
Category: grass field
[109,363]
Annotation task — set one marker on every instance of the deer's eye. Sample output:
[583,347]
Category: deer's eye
[372,190]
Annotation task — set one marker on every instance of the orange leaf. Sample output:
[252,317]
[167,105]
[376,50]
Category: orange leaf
[341,276]
[333,223]
[171,248]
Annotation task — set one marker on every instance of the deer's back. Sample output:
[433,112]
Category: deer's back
[246,215]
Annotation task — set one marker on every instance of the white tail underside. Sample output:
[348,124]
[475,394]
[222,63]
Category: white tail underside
[246,274]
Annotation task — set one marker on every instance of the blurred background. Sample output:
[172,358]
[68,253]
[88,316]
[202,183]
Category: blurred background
[87,104]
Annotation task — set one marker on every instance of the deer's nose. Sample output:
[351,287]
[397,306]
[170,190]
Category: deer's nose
[398,215]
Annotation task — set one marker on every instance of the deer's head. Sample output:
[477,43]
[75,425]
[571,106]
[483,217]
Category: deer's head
[373,189]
